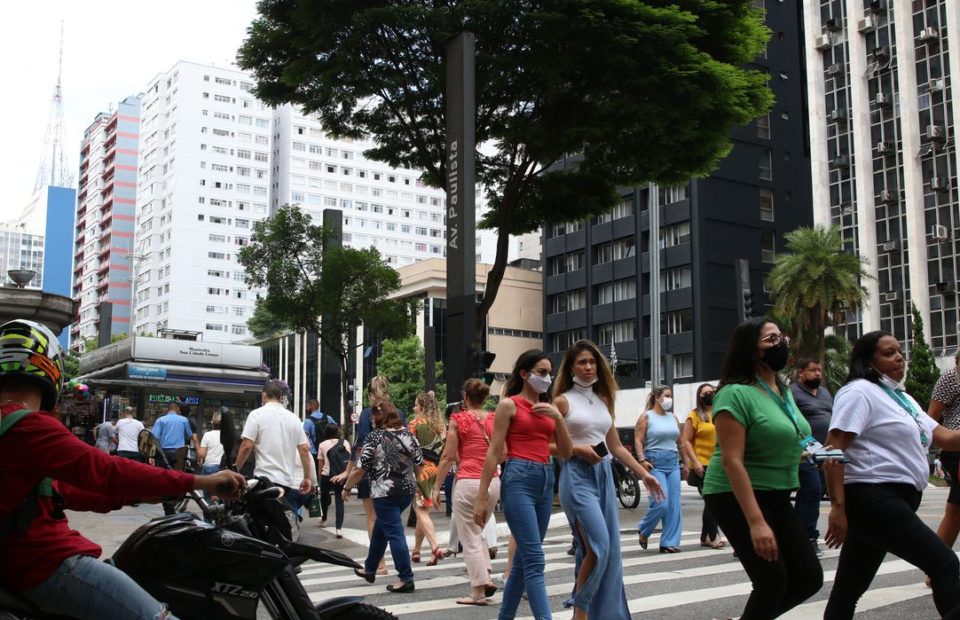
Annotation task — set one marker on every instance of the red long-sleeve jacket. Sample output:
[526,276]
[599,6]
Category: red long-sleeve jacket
[39,447]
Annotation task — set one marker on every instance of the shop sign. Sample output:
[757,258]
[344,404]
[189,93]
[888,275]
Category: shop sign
[146,372]
[180,400]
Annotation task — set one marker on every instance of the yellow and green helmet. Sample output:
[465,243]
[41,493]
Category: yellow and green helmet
[30,351]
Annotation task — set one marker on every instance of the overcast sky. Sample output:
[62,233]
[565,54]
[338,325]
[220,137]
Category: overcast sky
[111,50]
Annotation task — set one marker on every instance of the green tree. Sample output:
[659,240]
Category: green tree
[263,324]
[814,282]
[836,363]
[922,372]
[71,366]
[345,286]
[640,90]
[403,363]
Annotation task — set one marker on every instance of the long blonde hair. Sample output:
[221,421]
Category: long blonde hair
[606,385]
[654,394]
[430,411]
[378,390]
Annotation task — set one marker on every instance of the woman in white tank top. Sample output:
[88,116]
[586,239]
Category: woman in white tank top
[584,393]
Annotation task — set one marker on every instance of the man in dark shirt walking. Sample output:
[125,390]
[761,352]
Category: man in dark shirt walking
[816,404]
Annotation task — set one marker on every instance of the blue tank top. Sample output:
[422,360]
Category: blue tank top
[662,432]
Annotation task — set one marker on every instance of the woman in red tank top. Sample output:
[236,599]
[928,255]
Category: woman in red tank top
[523,430]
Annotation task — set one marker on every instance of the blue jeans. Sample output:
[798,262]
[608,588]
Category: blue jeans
[526,494]
[207,470]
[666,468]
[388,529]
[84,587]
[808,499]
[589,499]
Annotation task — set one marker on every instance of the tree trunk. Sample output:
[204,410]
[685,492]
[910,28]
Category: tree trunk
[495,276]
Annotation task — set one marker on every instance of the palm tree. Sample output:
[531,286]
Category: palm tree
[815,282]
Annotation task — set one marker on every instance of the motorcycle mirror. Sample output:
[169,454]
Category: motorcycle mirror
[147,444]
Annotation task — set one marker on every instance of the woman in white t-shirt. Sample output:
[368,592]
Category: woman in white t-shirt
[886,436]
[331,437]
[211,450]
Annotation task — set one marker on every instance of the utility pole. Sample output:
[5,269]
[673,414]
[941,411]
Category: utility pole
[654,207]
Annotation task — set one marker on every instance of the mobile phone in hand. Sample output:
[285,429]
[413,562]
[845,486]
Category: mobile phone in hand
[601,449]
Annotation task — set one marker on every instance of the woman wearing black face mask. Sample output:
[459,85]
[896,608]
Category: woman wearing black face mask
[754,469]
[699,439]
[874,497]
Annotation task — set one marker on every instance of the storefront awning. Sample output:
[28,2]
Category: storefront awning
[198,379]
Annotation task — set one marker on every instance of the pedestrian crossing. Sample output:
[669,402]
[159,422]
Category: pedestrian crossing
[698,583]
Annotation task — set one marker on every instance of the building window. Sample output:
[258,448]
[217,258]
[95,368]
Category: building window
[682,366]
[566,228]
[675,234]
[765,168]
[573,261]
[623,248]
[623,331]
[602,254]
[624,209]
[766,205]
[767,248]
[670,195]
[763,126]
[677,322]
[675,279]
[564,340]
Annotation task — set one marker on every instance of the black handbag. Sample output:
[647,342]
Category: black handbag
[694,479]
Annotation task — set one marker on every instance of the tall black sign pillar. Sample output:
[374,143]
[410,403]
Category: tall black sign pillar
[330,401]
[461,225]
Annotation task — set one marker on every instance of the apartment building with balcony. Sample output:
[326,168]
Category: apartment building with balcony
[103,259]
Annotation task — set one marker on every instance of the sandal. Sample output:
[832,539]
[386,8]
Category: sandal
[382,571]
[642,540]
[437,556]
[669,549]
[450,553]
[415,557]
[716,543]
[480,601]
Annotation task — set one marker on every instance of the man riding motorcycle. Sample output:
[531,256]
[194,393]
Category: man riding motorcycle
[45,469]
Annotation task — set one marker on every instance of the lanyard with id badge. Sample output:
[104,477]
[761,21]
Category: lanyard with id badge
[815,450]
[806,441]
[906,406]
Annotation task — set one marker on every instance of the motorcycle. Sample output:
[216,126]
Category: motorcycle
[627,485]
[239,556]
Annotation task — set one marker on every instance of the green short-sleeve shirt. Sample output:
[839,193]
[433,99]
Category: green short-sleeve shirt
[771,452]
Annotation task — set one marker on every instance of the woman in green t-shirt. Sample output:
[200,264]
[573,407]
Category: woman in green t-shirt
[754,468]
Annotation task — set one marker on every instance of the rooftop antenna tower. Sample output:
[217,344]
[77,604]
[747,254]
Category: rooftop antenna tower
[53,168]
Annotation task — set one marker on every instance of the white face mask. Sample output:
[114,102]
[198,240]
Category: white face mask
[539,384]
[584,382]
[890,383]
[667,403]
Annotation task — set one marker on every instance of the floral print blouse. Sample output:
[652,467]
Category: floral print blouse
[389,458]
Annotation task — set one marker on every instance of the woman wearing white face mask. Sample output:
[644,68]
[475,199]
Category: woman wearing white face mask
[524,427]
[885,435]
[657,442]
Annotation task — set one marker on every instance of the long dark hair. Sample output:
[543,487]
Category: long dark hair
[700,409]
[526,361]
[861,358]
[740,361]
[606,385]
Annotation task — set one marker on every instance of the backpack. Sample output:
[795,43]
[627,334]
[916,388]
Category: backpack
[338,457]
[319,428]
[29,506]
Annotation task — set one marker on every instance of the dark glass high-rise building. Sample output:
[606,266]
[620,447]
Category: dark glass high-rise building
[597,276]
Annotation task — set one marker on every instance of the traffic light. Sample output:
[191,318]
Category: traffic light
[747,297]
[351,401]
[482,360]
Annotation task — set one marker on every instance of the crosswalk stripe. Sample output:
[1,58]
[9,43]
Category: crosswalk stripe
[873,599]
[658,602]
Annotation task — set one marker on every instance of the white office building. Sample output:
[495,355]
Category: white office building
[883,113]
[204,179]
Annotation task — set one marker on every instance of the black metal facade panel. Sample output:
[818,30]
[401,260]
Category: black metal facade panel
[624,268]
[555,323]
[601,233]
[555,246]
[576,240]
[603,313]
[602,273]
[576,279]
[576,318]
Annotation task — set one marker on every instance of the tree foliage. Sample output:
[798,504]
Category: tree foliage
[403,363]
[814,283]
[640,90]
[304,282]
[263,324]
[922,372]
[836,363]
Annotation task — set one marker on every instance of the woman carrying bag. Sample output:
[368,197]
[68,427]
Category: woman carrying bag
[427,426]
[699,440]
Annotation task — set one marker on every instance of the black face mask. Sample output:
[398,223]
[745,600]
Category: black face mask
[812,383]
[707,399]
[776,356]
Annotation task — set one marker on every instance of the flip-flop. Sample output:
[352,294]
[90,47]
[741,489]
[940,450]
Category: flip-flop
[382,571]
[480,601]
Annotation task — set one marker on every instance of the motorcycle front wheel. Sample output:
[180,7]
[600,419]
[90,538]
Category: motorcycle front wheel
[628,489]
